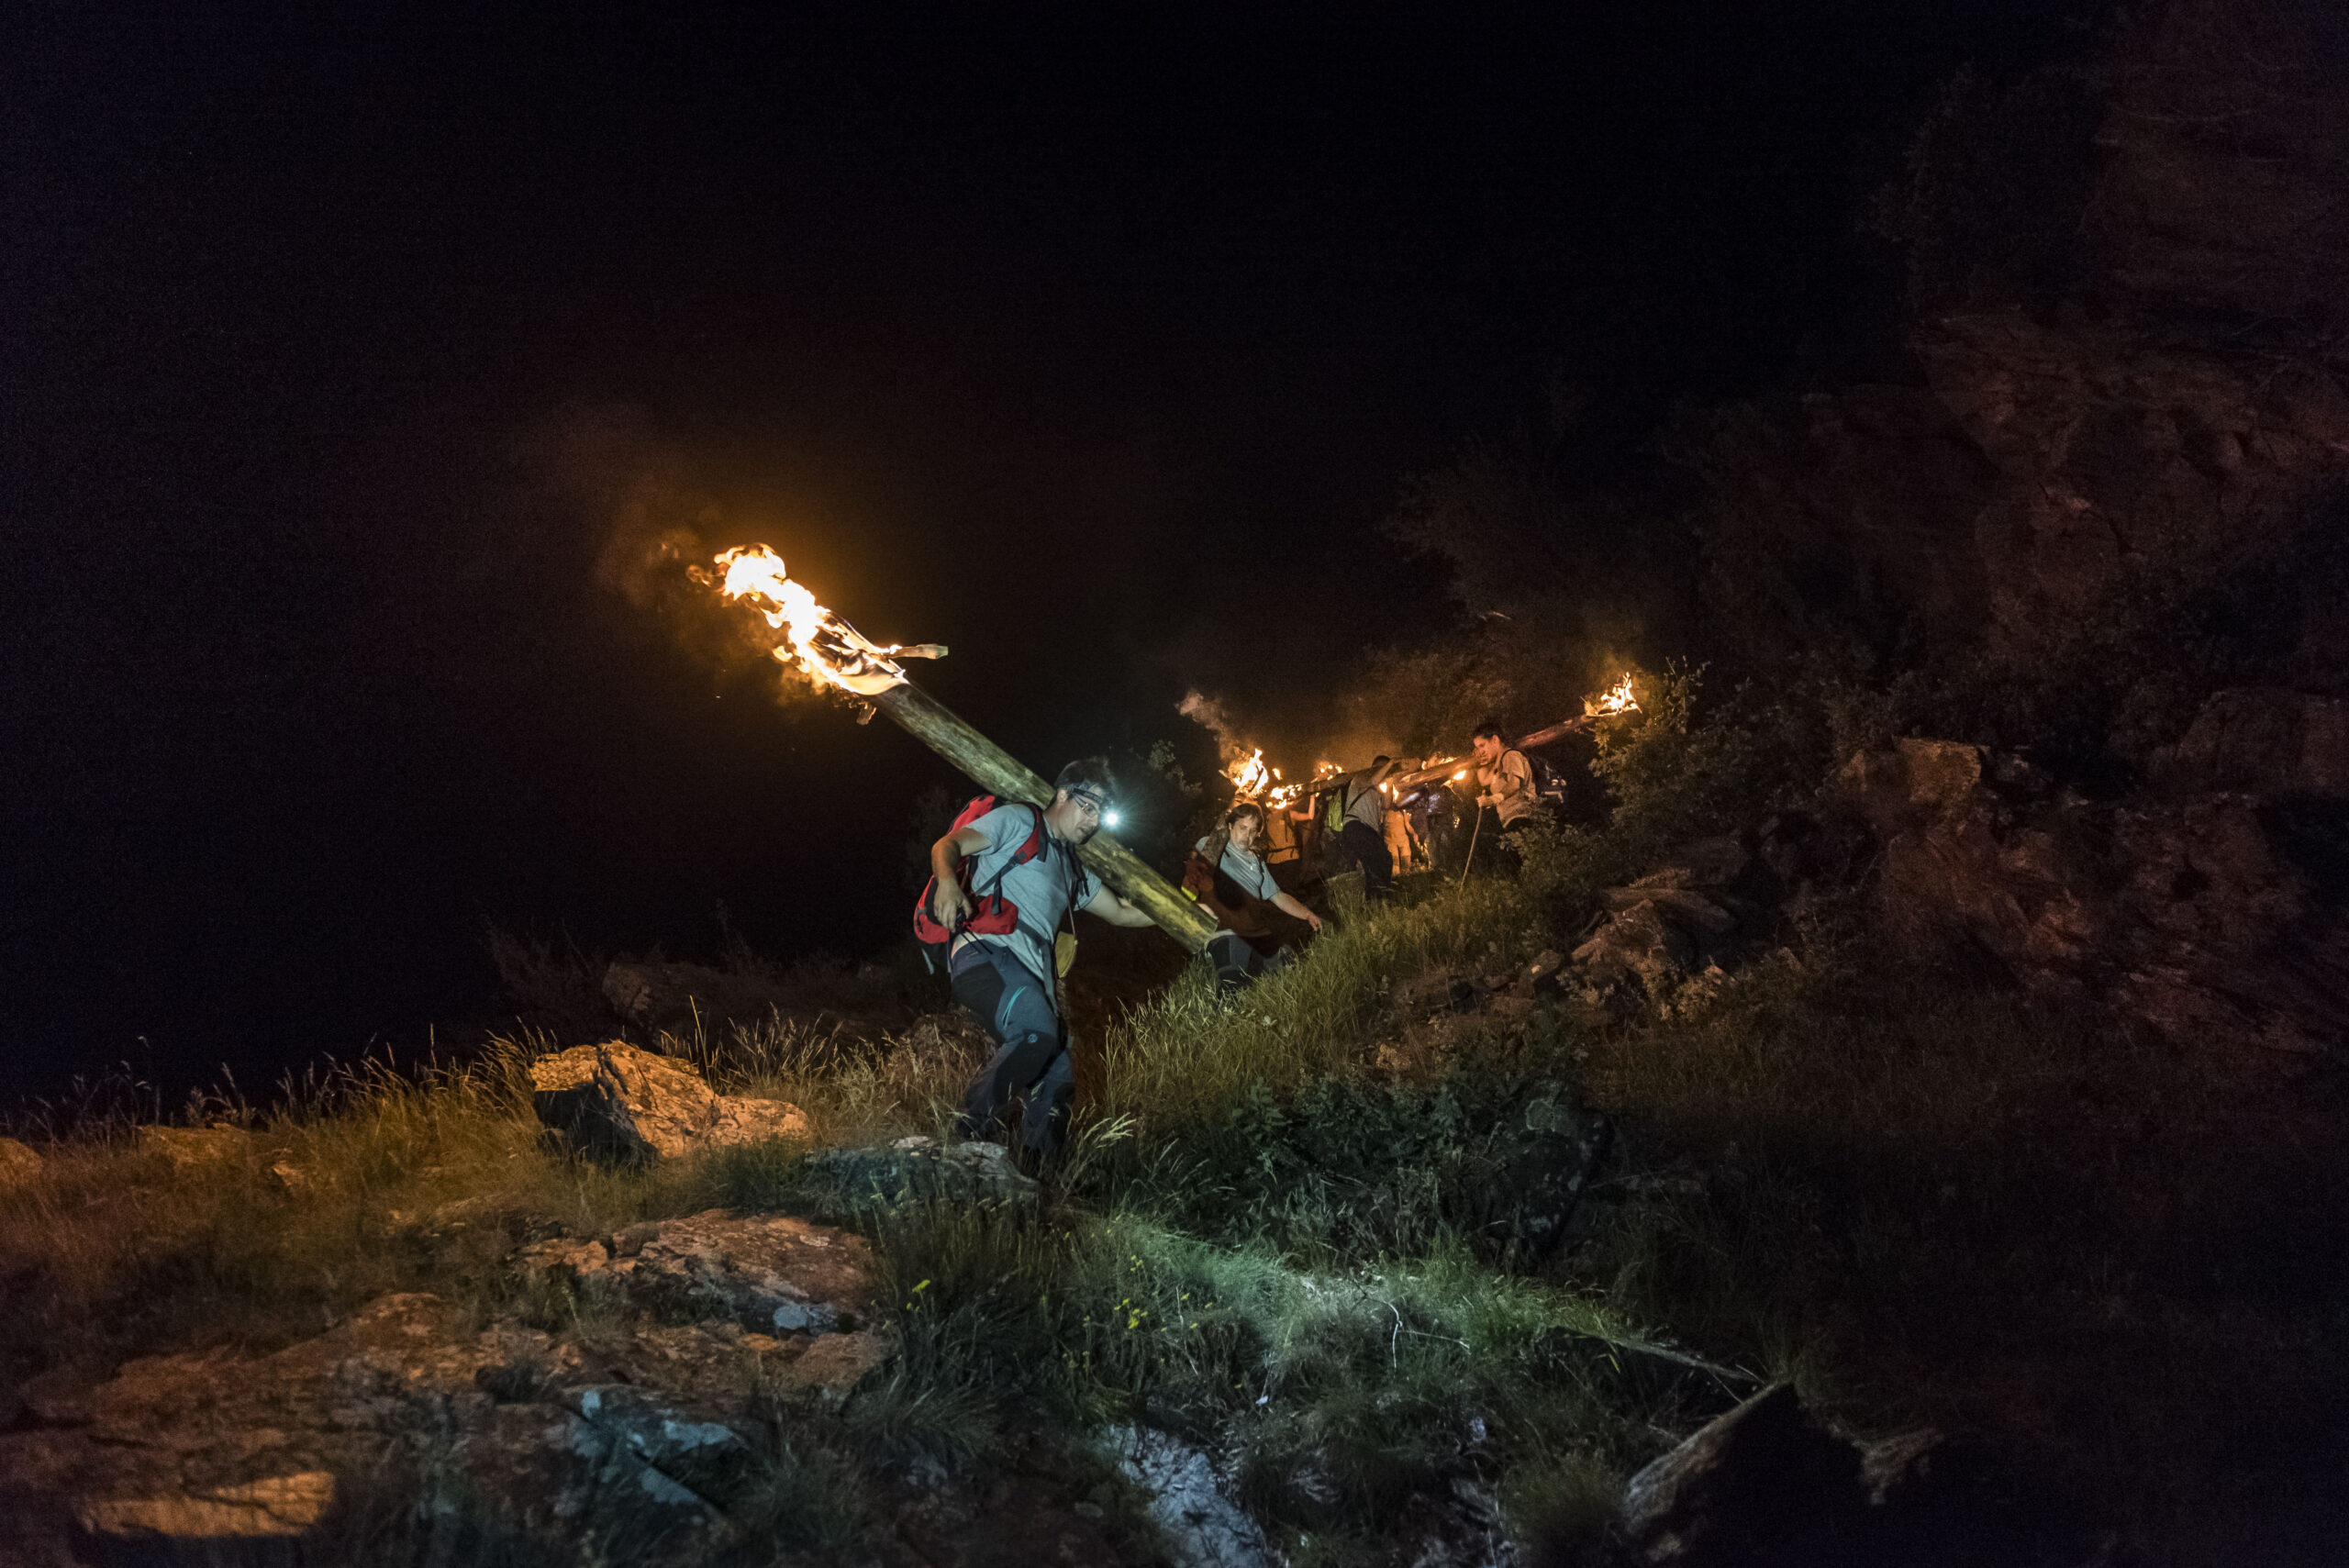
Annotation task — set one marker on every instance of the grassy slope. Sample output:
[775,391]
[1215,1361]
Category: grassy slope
[1928,1201]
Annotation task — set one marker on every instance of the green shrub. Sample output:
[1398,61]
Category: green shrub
[1676,775]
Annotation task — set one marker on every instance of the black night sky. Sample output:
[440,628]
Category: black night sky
[1094,347]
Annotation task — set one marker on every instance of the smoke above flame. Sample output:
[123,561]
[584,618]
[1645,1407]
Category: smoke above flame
[816,641]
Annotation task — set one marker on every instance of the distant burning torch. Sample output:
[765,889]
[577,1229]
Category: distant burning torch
[821,645]
[1616,700]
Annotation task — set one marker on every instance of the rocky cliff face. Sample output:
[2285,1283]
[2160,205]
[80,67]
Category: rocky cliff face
[2223,153]
[2180,405]
[1997,502]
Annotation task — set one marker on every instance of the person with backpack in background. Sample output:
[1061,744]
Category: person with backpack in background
[1508,786]
[1357,814]
[1003,879]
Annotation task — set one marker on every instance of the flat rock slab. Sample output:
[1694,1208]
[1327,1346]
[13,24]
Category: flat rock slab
[617,1101]
[770,1272]
[1203,1526]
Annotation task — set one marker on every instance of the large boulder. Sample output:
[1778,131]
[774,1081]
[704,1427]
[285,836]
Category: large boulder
[771,1273]
[617,1101]
[216,1455]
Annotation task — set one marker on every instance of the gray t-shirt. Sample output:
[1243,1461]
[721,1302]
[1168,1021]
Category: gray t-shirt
[1250,871]
[1045,888]
[1512,785]
[1364,802]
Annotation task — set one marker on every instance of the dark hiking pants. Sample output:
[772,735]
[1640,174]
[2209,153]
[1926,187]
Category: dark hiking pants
[1366,847]
[1237,961]
[1031,1063]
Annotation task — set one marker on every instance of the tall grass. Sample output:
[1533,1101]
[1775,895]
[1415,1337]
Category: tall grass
[1189,1053]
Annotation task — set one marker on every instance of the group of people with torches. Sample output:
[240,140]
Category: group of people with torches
[1007,877]
[1010,874]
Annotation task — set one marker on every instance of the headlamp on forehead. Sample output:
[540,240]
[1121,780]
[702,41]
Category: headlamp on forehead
[1101,807]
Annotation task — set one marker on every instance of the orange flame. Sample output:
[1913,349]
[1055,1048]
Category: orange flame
[1248,775]
[1617,699]
[816,639]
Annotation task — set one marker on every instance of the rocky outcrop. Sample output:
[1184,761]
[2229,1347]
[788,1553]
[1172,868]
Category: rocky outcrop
[2111,450]
[2205,917]
[1675,921]
[639,1442]
[617,1101]
[1202,1525]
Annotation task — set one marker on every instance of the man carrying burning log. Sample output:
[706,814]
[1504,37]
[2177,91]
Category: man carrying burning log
[1505,786]
[1002,881]
[1357,810]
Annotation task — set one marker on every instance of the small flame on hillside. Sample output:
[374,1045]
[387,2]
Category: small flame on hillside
[815,639]
[1617,698]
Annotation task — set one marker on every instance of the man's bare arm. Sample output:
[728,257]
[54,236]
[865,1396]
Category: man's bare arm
[1116,910]
[950,904]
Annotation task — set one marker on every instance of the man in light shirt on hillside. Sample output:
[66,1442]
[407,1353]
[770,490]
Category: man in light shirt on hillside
[1505,780]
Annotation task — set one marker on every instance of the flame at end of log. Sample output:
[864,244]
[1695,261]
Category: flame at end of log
[816,641]
[1617,698]
[1248,775]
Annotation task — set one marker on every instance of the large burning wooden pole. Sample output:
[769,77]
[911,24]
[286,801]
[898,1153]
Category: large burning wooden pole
[827,648]
[1617,700]
[936,726]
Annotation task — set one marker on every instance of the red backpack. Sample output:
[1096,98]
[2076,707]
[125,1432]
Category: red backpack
[992,915]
